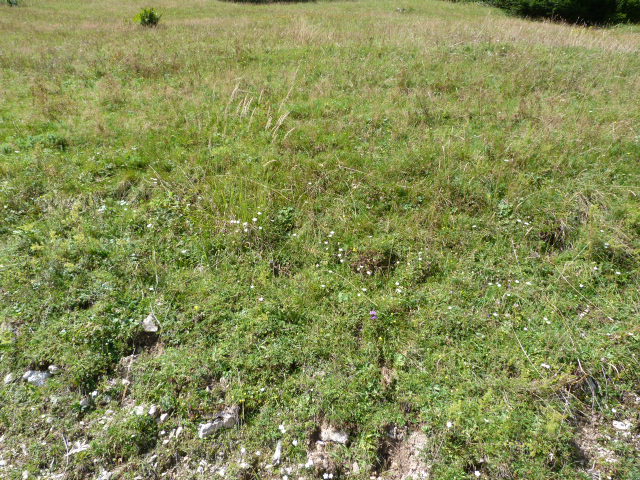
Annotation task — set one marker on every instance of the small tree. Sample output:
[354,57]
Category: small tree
[592,12]
[148,17]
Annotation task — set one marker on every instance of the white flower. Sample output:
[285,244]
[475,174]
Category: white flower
[545,365]
[449,424]
[282,428]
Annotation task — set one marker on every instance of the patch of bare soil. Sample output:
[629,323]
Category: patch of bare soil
[595,440]
[402,455]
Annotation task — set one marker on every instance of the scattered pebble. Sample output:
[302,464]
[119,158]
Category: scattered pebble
[150,324]
[36,377]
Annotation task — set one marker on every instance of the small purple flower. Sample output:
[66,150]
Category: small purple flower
[374,315]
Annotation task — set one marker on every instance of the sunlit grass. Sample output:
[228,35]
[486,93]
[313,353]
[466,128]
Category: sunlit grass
[262,178]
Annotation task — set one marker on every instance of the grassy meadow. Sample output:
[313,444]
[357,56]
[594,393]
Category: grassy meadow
[404,219]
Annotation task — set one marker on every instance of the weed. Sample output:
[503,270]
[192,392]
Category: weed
[148,17]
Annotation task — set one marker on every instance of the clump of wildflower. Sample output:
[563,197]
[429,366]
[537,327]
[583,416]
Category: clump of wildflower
[374,315]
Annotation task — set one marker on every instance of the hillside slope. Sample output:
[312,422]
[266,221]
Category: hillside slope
[345,239]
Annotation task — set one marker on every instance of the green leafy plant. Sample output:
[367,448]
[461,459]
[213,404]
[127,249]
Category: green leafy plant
[148,17]
[12,3]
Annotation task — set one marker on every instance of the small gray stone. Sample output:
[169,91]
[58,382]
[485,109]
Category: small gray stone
[105,475]
[153,411]
[9,378]
[79,446]
[163,418]
[150,324]
[277,455]
[36,377]
[86,402]
[225,419]
[625,425]
[53,369]
[206,429]
[331,434]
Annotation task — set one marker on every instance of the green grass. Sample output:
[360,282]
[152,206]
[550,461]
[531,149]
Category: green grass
[231,170]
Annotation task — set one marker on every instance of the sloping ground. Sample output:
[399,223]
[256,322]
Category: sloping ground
[320,240]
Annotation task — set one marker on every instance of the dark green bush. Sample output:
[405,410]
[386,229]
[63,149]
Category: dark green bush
[148,17]
[628,11]
[12,3]
[591,12]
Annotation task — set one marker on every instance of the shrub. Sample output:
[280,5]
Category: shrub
[592,12]
[12,3]
[628,11]
[148,17]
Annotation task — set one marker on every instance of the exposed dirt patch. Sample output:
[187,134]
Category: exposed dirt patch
[371,262]
[596,439]
[324,442]
[597,459]
[401,455]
